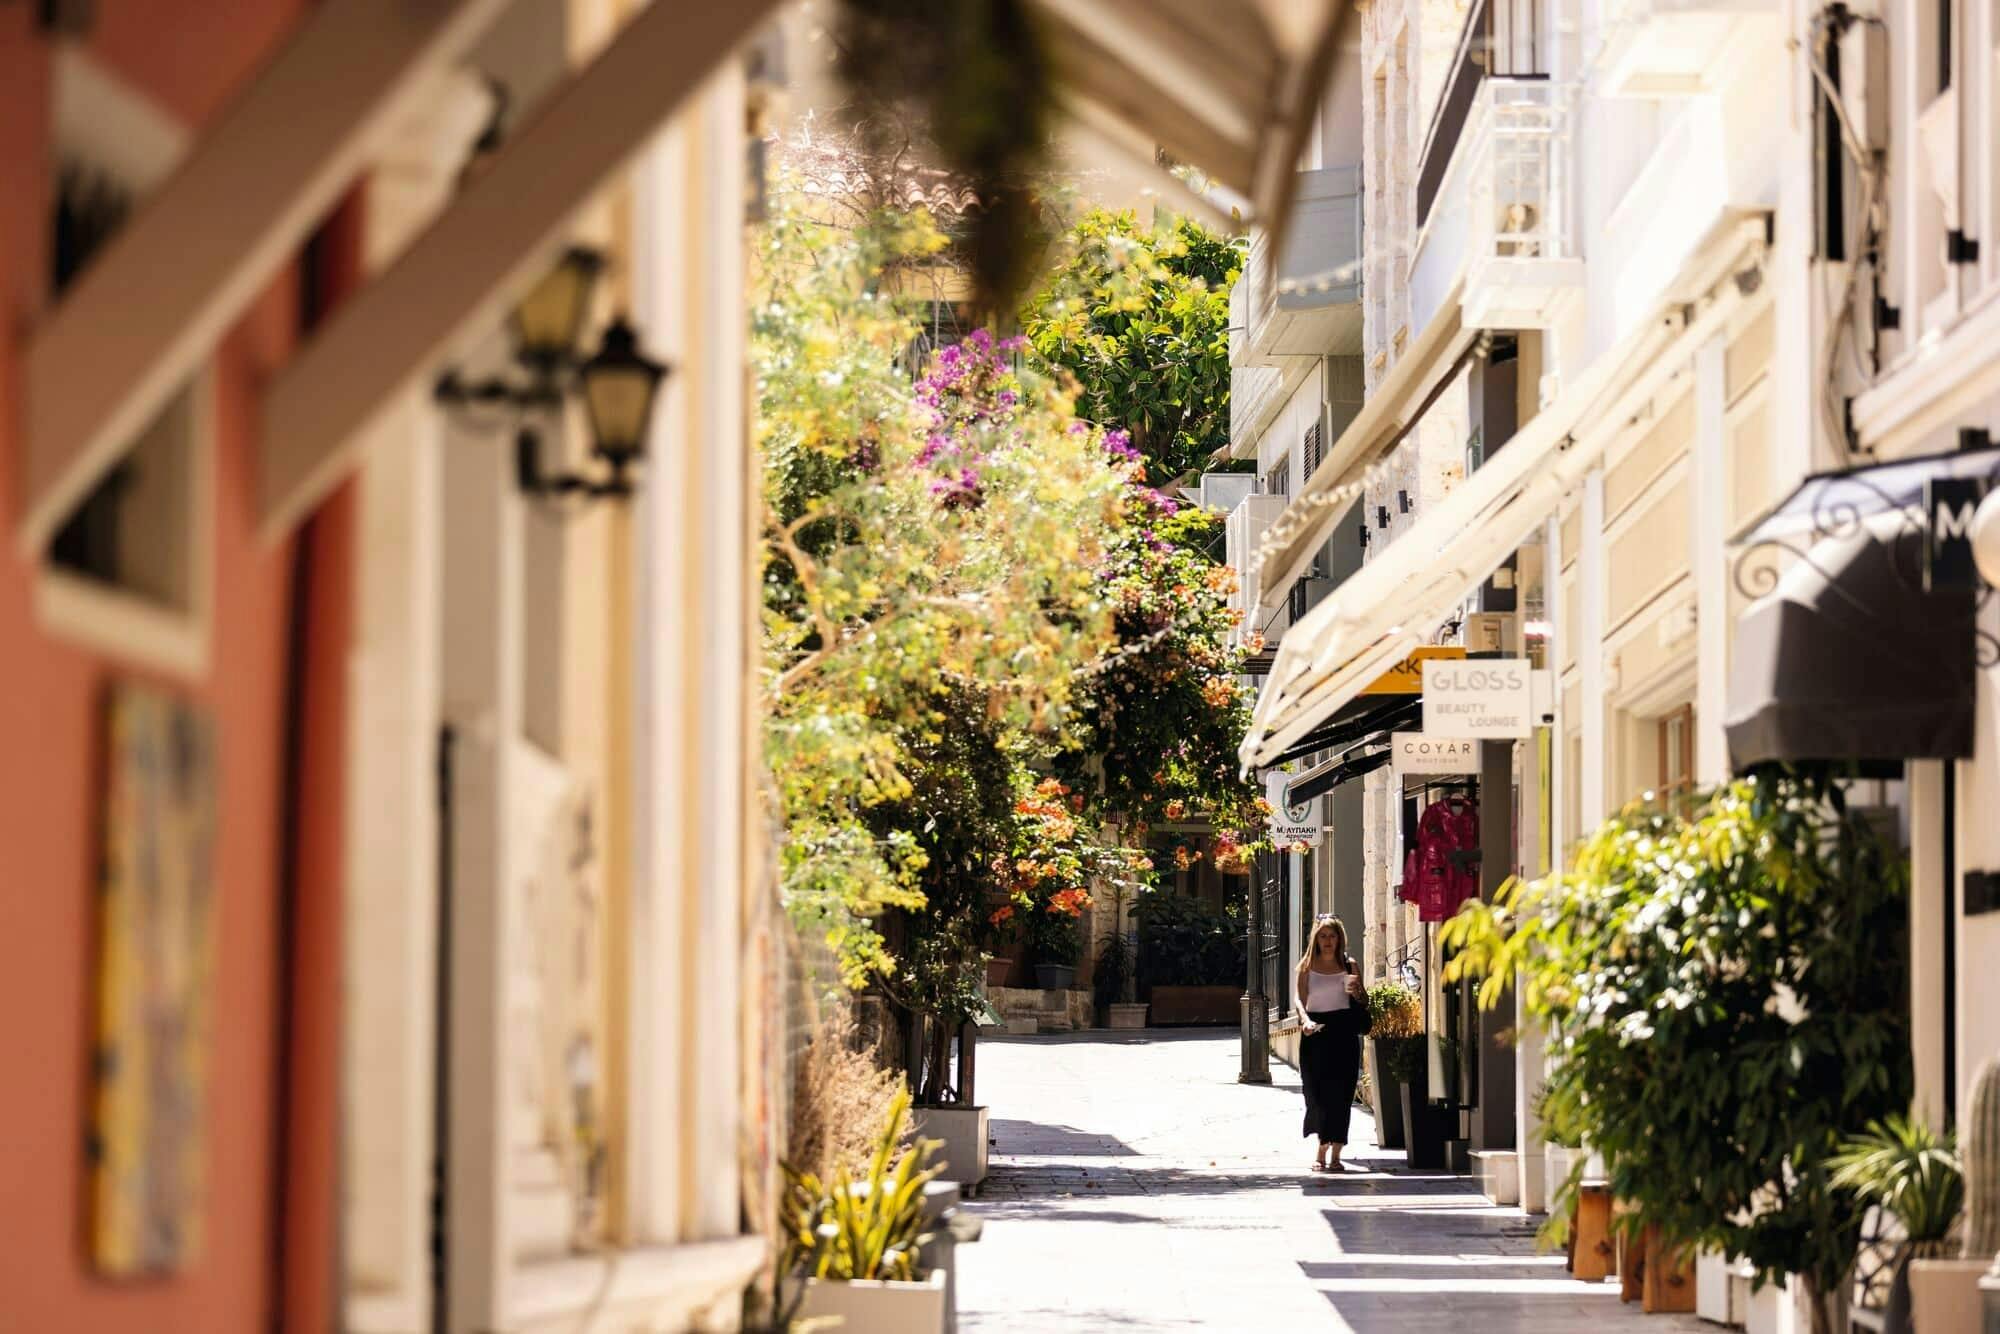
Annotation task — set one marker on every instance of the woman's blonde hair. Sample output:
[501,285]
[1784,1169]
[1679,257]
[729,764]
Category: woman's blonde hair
[1326,922]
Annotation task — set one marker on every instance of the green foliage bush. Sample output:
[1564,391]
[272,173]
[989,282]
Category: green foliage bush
[1185,941]
[1141,318]
[1727,994]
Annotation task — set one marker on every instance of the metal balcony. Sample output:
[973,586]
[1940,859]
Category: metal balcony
[1677,48]
[1502,217]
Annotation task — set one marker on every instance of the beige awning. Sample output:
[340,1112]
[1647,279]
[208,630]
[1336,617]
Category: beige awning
[1423,370]
[1228,86]
[1393,602]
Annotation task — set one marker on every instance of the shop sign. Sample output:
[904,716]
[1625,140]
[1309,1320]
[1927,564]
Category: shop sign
[1479,697]
[1421,753]
[1290,825]
[1406,677]
[1949,503]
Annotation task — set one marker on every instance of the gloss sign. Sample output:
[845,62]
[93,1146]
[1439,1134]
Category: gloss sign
[1481,698]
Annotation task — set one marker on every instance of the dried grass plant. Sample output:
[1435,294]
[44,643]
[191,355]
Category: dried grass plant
[840,1097]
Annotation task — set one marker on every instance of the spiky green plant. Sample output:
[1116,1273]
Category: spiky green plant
[1907,1169]
[867,1229]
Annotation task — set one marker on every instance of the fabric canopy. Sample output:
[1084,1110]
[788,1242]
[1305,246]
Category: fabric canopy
[1362,717]
[1363,759]
[1849,659]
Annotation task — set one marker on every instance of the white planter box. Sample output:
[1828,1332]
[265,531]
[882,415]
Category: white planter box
[1944,1295]
[1128,1016]
[869,1307]
[1499,1173]
[963,1132]
[1712,1288]
[1557,1163]
[1779,1308]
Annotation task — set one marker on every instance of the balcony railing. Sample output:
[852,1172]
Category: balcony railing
[1520,251]
[1501,39]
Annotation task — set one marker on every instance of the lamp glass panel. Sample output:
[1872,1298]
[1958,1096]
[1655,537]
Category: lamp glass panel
[620,400]
[547,319]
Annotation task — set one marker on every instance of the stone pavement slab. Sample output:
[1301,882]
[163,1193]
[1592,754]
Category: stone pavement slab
[1136,1186]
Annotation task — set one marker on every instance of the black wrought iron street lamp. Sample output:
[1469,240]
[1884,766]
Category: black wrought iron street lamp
[618,385]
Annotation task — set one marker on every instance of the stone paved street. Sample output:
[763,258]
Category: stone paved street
[1137,1186]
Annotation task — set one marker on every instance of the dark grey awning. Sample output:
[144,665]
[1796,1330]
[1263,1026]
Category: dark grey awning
[1849,658]
[1838,500]
[1363,759]
[1362,717]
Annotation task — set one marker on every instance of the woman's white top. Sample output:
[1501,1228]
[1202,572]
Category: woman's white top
[1326,991]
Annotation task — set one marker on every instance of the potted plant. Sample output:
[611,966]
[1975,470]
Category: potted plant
[1562,1152]
[1003,934]
[1111,982]
[1724,985]
[1395,1043]
[1910,1172]
[854,1244]
[1055,938]
[1944,1291]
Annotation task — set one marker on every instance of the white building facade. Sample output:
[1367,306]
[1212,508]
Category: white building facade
[1631,272]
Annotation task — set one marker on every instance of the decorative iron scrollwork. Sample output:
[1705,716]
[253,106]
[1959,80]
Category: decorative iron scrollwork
[1853,507]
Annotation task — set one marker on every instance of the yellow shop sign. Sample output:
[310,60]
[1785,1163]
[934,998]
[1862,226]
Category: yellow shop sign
[1407,676]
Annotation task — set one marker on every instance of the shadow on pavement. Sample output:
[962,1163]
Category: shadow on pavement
[1038,1139]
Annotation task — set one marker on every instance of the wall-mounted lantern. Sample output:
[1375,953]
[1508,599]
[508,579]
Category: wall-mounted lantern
[618,386]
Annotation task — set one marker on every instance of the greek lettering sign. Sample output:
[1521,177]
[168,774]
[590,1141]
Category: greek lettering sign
[1479,697]
[1290,824]
[1421,753]
[1406,677]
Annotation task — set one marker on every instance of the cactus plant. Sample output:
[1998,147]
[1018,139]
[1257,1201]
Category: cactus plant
[1980,1143]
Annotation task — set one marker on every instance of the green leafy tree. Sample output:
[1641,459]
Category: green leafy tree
[933,557]
[1140,318]
[1726,994]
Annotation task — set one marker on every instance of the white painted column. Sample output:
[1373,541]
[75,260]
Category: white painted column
[391,878]
[1590,651]
[694,676]
[482,703]
[654,1056]
[1927,928]
[1708,515]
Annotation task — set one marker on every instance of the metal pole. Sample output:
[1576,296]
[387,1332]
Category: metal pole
[1256,1031]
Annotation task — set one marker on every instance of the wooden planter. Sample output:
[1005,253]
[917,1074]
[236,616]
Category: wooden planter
[1196,1005]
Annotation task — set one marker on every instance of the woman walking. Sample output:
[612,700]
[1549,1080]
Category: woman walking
[1336,1008]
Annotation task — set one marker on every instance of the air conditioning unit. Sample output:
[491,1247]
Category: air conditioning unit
[1243,533]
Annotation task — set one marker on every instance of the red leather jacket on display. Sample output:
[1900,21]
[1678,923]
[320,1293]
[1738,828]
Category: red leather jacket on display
[1434,878]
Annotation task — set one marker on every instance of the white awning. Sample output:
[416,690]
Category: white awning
[1394,602]
[1396,405]
[1231,88]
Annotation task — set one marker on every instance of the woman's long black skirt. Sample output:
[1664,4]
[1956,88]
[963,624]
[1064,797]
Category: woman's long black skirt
[1330,1066]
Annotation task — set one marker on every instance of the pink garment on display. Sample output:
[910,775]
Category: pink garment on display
[1434,878]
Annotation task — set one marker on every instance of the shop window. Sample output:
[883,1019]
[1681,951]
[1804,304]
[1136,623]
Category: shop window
[1676,750]
[129,570]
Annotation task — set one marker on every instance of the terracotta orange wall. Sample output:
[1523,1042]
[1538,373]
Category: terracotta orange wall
[191,54]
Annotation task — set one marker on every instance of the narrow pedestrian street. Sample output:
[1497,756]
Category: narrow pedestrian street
[1136,1186]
